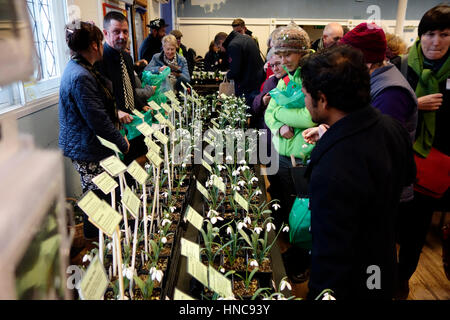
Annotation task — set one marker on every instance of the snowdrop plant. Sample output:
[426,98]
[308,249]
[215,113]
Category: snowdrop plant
[234,245]
[209,236]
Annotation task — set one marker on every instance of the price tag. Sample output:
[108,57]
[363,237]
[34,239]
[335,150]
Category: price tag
[152,145]
[207,166]
[241,201]
[113,166]
[190,249]
[198,270]
[194,218]
[105,182]
[202,190]
[178,295]
[109,145]
[139,174]
[166,107]
[145,129]
[131,202]
[154,106]
[95,281]
[154,158]
[219,283]
[219,184]
[137,113]
[161,137]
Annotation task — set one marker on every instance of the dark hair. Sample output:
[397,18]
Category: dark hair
[437,18]
[113,15]
[219,37]
[341,74]
[80,35]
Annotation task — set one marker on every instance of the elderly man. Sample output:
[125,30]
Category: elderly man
[332,33]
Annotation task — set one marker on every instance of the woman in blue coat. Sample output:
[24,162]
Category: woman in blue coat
[87,109]
[168,58]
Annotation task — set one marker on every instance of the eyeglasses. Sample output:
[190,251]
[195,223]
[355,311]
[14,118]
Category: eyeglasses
[275,65]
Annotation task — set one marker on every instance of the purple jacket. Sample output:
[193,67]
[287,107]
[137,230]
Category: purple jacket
[258,107]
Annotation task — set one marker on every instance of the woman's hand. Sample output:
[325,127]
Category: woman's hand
[125,117]
[286,132]
[430,102]
[266,99]
[162,68]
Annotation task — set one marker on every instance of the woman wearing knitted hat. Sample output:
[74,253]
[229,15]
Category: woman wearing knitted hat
[286,124]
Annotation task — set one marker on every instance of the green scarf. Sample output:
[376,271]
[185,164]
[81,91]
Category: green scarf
[428,84]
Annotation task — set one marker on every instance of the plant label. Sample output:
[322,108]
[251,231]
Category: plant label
[208,157]
[178,295]
[219,184]
[177,108]
[136,171]
[145,129]
[161,137]
[105,182]
[194,218]
[190,249]
[184,87]
[95,281]
[154,106]
[113,166]
[198,270]
[215,124]
[160,118]
[131,201]
[166,107]
[137,113]
[241,201]
[202,190]
[154,158]
[207,166]
[152,145]
[207,140]
[219,283]
[109,145]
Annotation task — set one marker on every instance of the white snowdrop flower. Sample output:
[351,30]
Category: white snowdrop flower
[285,284]
[258,230]
[220,179]
[261,133]
[286,229]
[208,183]
[270,226]
[165,221]
[254,179]
[165,194]
[181,183]
[240,225]
[276,206]
[166,171]
[164,240]
[213,220]
[172,209]
[258,192]
[87,257]
[109,246]
[128,273]
[240,150]
[235,188]
[241,183]
[247,220]
[235,173]
[220,167]
[183,165]
[229,230]
[328,296]
[254,263]
[222,270]
[166,215]
[211,213]
[245,168]
[242,161]
[147,166]
[229,158]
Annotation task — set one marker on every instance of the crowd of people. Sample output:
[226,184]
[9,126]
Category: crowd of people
[366,118]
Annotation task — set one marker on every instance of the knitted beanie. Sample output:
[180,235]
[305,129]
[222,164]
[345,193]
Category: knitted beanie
[291,39]
[370,39]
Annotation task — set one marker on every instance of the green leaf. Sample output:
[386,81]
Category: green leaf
[245,237]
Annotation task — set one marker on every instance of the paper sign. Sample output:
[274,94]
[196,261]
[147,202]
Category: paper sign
[154,106]
[208,157]
[177,108]
[178,295]
[145,129]
[169,94]
[161,137]
[202,190]
[215,124]
[105,182]
[198,270]
[152,145]
[170,125]
[166,107]
[137,113]
[109,145]
[219,283]
[219,184]
[95,281]
[194,218]
[154,158]
[113,166]
[100,213]
[207,166]
[160,118]
[190,249]
[139,174]
[241,201]
[131,202]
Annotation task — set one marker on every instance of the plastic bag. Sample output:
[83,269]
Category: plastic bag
[156,79]
[300,224]
[132,131]
[291,97]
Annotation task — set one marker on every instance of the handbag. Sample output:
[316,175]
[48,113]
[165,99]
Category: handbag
[226,87]
[433,174]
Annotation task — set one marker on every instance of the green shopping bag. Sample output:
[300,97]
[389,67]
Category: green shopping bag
[300,223]
[156,79]
[291,97]
[132,131]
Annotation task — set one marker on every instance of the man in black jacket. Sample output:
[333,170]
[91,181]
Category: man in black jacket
[152,44]
[357,171]
[246,65]
[117,66]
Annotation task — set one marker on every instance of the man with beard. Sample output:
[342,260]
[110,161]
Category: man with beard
[152,44]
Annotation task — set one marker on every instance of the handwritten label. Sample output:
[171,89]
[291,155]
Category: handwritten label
[154,158]
[178,295]
[219,184]
[105,182]
[161,137]
[152,145]
[131,202]
[177,108]
[154,106]
[241,201]
[145,129]
[202,190]
[109,144]
[166,107]
[95,281]
[113,166]
[207,166]
[219,283]
[194,218]
[198,270]
[137,113]
[190,249]
[160,118]
[137,172]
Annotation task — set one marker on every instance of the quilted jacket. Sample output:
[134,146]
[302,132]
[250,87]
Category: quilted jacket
[83,116]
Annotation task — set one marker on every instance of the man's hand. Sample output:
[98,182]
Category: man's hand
[286,132]
[266,99]
[430,102]
[145,108]
[141,63]
[125,117]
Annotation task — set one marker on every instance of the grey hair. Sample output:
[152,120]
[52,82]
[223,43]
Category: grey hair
[270,54]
